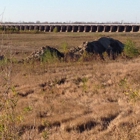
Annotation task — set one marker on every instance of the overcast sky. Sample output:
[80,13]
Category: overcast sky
[70,10]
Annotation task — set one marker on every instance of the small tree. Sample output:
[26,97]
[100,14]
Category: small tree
[130,49]
[55,30]
[64,47]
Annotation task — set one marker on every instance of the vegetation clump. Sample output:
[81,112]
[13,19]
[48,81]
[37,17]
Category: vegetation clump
[130,49]
[49,56]
[55,30]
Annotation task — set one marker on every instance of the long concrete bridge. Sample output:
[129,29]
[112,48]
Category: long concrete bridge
[73,27]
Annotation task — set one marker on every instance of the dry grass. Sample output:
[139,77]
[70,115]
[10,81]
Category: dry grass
[77,100]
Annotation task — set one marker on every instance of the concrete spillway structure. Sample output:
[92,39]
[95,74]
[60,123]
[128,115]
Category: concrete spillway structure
[73,27]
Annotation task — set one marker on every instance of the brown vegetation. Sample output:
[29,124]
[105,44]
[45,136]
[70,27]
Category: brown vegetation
[82,100]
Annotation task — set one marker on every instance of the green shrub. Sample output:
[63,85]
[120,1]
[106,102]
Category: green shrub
[130,49]
[49,56]
[64,47]
[55,30]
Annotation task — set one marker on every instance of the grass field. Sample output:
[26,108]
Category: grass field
[57,39]
[93,100]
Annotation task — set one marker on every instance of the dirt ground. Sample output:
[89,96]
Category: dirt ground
[94,100]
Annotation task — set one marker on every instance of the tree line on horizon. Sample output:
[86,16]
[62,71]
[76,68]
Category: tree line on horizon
[76,22]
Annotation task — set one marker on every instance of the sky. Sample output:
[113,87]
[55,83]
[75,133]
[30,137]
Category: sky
[70,11]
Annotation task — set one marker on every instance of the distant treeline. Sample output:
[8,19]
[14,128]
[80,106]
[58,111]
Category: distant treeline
[38,22]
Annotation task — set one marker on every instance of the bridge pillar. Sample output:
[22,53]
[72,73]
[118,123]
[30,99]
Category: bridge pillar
[90,29]
[63,29]
[26,28]
[46,28]
[93,28]
[80,28]
[74,28]
[87,28]
[21,28]
[51,28]
[124,28]
[128,28]
[120,29]
[117,29]
[36,28]
[100,28]
[69,28]
[31,28]
[135,28]
[41,28]
[107,29]
[113,29]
